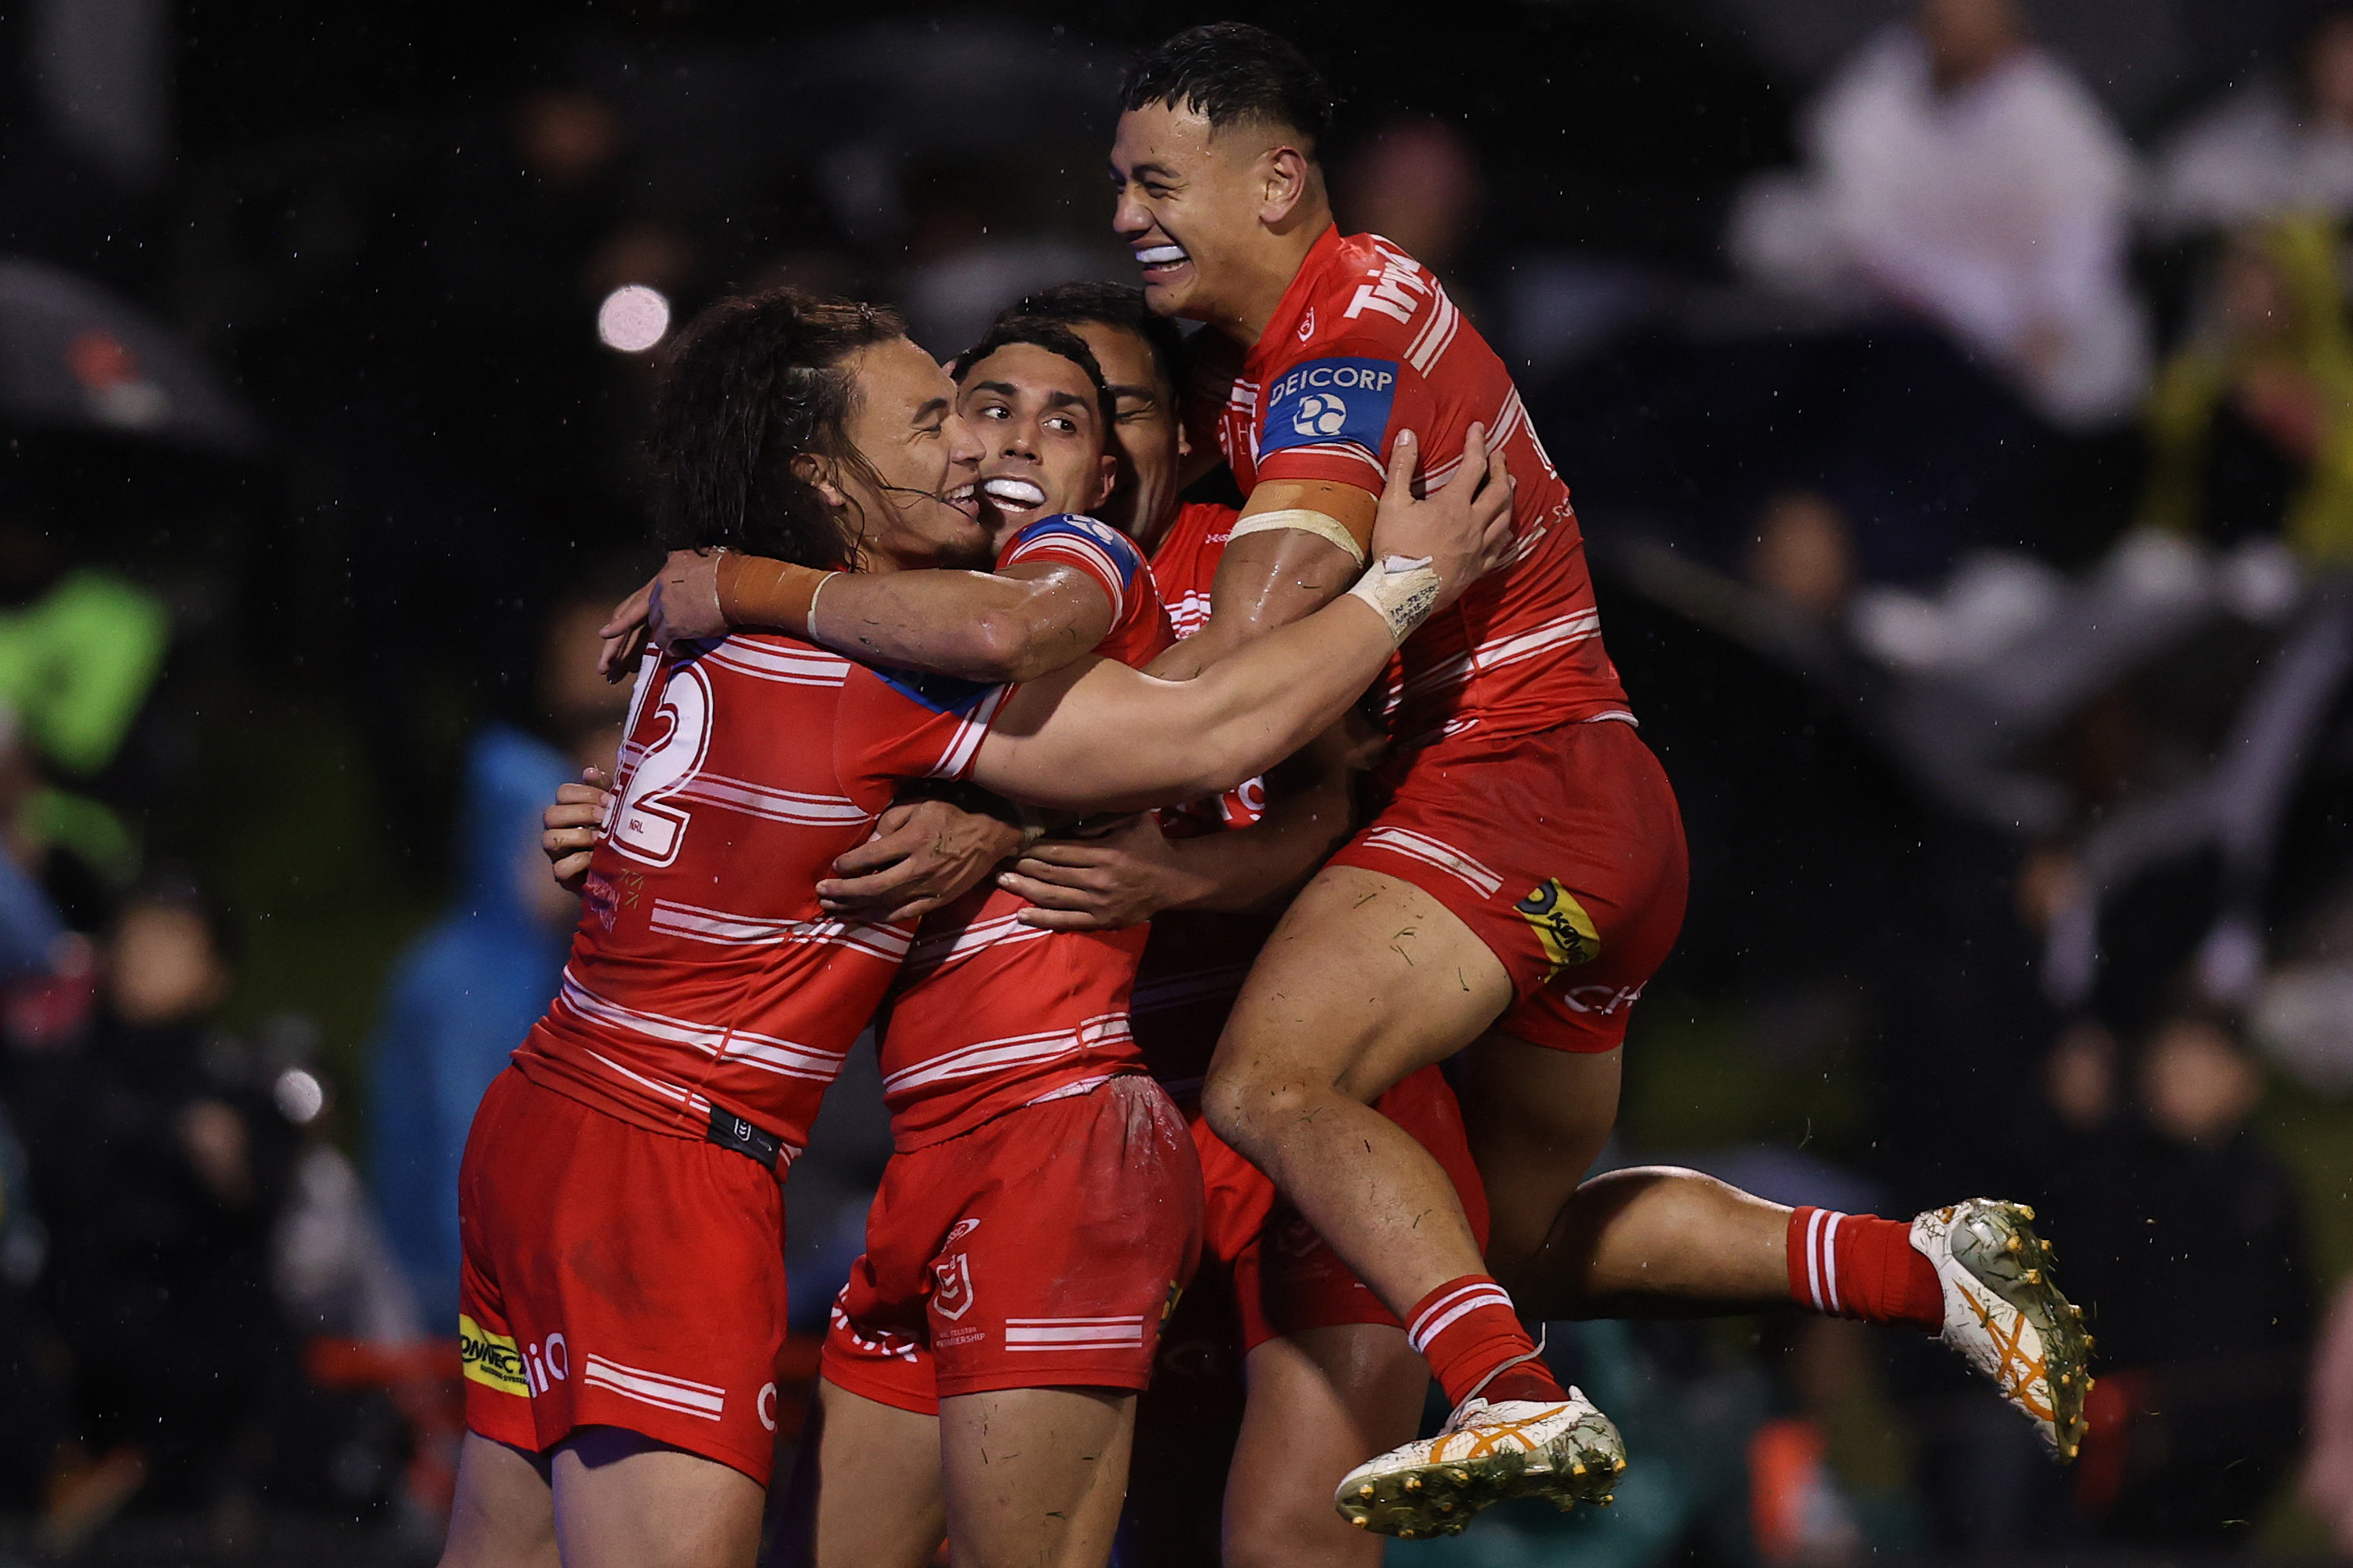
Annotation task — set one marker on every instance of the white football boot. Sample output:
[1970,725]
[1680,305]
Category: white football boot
[1566,1452]
[2003,1313]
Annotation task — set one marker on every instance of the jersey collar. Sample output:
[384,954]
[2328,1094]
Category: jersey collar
[1297,298]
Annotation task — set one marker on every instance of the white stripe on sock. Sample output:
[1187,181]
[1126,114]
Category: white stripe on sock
[1814,1258]
[1830,1265]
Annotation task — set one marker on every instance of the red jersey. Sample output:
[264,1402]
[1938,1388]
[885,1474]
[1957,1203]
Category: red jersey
[990,1014]
[1364,344]
[1186,563]
[1193,965]
[704,973]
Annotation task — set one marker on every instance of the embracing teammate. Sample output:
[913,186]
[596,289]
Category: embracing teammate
[1523,875]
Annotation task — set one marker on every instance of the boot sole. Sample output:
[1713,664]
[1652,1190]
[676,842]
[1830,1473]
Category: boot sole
[1442,1497]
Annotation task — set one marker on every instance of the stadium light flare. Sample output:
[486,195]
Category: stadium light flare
[633,318]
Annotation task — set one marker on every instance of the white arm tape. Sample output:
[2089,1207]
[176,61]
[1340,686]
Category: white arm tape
[1405,590]
[1307,521]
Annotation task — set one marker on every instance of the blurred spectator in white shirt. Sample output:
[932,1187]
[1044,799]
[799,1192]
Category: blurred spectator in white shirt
[2270,148]
[1961,172]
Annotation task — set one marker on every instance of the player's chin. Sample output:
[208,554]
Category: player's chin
[1166,289]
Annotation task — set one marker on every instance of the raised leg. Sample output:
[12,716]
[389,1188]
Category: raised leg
[1366,978]
[1637,1242]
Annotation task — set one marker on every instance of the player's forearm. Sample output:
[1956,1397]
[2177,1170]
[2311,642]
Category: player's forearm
[1115,739]
[1264,581]
[974,625]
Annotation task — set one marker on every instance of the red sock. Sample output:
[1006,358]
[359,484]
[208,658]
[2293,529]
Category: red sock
[1860,1266]
[1466,1329]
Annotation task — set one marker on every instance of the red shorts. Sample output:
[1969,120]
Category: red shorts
[1563,851]
[1042,1249]
[1284,1278]
[615,1277]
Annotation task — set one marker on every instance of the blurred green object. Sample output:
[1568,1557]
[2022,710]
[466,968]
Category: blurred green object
[84,828]
[76,664]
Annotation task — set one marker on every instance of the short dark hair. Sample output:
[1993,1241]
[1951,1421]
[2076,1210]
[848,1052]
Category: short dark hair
[753,382]
[1233,73]
[1118,306]
[1053,337]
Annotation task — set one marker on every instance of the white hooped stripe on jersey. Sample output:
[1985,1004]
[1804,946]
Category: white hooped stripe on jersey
[780,1056]
[1189,614]
[928,953]
[656,1389]
[787,666]
[1449,673]
[1447,1309]
[776,805]
[965,743]
[1012,1051]
[1437,333]
[1176,990]
[1431,851]
[1073,1333]
[717,927]
[671,1092]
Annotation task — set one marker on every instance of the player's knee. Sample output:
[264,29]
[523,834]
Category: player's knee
[1244,1106]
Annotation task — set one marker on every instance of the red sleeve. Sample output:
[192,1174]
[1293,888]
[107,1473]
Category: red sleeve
[1332,415]
[896,724]
[1100,551]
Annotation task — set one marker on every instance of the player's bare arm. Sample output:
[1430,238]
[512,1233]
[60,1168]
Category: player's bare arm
[1007,626]
[1286,560]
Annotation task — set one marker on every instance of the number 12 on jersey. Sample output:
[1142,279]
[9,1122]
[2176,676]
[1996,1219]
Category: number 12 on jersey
[646,826]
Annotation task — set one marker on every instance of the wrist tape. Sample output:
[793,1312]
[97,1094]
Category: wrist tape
[757,591]
[1307,521]
[1404,590]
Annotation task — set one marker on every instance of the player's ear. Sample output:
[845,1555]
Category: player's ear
[817,474]
[1285,178]
[1110,480]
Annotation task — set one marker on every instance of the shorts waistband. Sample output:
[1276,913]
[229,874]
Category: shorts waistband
[729,1130]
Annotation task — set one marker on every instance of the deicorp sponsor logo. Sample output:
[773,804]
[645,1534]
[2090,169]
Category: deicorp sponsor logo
[492,1360]
[1327,400]
[1561,924]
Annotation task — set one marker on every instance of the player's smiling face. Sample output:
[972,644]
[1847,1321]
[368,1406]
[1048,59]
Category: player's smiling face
[1190,202]
[1041,434]
[921,506]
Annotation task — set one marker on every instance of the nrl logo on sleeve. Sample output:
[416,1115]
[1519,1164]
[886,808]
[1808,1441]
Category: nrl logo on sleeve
[490,1359]
[1561,924]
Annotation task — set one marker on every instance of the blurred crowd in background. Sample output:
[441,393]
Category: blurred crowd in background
[1959,398]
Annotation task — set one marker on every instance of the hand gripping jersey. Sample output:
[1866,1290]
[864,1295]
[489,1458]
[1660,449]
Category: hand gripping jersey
[1364,344]
[704,974]
[990,1014]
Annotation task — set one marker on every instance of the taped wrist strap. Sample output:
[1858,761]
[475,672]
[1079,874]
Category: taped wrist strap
[754,590]
[1307,521]
[1405,590]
